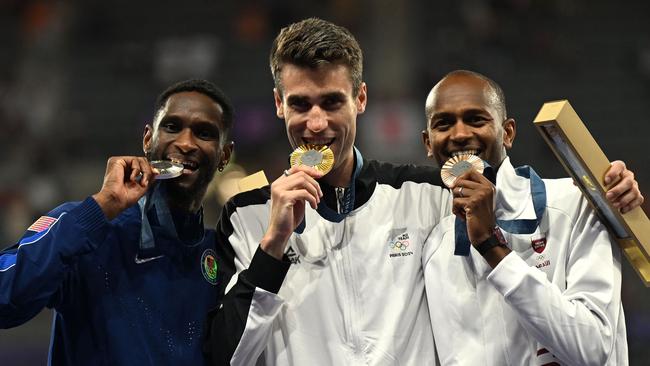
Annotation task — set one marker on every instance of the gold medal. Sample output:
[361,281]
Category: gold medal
[168,169]
[459,164]
[319,157]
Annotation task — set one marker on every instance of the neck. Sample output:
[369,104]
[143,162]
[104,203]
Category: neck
[341,176]
[181,204]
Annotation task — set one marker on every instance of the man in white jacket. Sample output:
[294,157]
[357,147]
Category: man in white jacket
[540,283]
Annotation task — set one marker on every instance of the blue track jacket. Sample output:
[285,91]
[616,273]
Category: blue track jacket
[114,303]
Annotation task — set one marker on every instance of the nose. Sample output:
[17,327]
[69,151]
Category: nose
[316,119]
[460,132]
[185,141]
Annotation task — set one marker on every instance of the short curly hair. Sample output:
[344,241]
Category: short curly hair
[204,87]
[314,42]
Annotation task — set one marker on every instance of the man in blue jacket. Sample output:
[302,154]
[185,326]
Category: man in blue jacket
[130,271]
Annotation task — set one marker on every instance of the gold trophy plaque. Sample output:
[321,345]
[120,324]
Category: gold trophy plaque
[581,156]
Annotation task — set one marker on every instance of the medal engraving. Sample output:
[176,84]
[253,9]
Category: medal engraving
[311,158]
[457,165]
[319,157]
[167,169]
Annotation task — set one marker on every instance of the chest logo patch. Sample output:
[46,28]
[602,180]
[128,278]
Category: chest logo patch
[538,244]
[399,246]
[209,266]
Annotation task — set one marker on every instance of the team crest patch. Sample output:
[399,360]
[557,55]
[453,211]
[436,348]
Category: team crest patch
[209,266]
[43,223]
[538,244]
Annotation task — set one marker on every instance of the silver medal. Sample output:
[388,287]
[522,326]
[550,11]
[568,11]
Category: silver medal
[167,169]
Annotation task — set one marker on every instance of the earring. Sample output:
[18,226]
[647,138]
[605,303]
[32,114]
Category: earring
[220,168]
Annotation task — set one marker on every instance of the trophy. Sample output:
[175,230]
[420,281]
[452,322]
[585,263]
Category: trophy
[583,159]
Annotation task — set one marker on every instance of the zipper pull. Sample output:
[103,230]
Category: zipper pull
[340,194]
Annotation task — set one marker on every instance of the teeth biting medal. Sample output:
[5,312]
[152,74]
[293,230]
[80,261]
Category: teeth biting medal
[168,169]
[459,164]
[319,157]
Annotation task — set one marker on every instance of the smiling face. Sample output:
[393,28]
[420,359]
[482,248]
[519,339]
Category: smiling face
[188,129]
[318,107]
[463,115]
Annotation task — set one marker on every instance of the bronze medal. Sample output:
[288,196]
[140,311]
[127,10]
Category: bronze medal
[459,164]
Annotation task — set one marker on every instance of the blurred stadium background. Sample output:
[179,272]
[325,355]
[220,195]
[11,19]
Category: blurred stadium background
[78,80]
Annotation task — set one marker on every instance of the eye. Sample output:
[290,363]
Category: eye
[441,124]
[169,126]
[476,119]
[299,105]
[208,134]
[332,103]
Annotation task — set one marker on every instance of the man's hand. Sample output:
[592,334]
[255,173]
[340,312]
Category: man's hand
[474,203]
[288,196]
[127,178]
[624,194]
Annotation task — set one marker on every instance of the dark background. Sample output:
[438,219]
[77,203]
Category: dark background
[78,80]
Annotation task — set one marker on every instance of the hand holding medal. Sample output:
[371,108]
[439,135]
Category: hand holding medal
[289,194]
[475,205]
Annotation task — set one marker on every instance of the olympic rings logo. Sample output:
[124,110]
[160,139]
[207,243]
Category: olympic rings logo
[399,245]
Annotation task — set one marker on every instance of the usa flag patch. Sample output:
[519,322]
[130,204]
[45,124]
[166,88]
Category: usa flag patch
[42,224]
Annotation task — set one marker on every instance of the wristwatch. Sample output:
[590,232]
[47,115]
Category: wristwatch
[495,240]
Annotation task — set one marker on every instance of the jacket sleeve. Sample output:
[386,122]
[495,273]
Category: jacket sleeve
[238,330]
[578,324]
[33,271]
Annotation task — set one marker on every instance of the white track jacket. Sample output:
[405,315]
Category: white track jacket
[554,300]
[354,292]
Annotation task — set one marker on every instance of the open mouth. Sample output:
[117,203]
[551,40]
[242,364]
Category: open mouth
[320,141]
[189,166]
[466,152]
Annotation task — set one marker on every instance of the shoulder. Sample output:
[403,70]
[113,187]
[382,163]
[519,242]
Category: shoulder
[396,175]
[253,202]
[258,196]
[562,194]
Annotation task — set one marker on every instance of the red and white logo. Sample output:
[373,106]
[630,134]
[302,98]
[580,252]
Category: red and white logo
[538,244]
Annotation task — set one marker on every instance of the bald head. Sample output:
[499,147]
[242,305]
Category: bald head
[466,113]
[493,92]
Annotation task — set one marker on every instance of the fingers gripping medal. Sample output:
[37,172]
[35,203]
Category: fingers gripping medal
[319,157]
[168,169]
[459,164]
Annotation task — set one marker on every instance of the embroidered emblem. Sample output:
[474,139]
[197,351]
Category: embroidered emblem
[209,266]
[538,244]
[292,256]
[399,246]
[42,224]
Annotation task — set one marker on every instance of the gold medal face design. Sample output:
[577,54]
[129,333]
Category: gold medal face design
[168,169]
[458,165]
[319,157]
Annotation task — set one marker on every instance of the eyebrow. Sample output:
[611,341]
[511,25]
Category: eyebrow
[330,95]
[466,112]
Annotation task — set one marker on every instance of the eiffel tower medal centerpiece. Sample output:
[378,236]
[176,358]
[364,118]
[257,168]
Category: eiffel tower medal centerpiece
[459,164]
[319,157]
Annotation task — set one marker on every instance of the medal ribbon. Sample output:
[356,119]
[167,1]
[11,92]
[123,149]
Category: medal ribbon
[165,220]
[519,226]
